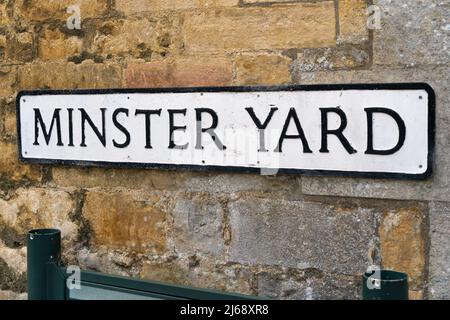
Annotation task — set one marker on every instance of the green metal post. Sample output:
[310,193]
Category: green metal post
[43,249]
[385,285]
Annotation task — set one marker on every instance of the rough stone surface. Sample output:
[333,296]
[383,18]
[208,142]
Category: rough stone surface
[439,270]
[8,128]
[126,220]
[426,26]
[153,37]
[261,28]
[117,178]
[353,21]
[308,285]
[205,274]
[198,226]
[133,7]
[185,72]
[112,261]
[300,234]
[4,18]
[262,69]
[16,259]
[12,280]
[11,170]
[343,57]
[264,1]
[402,242]
[35,208]
[11,295]
[69,76]
[225,183]
[415,295]
[54,44]
[8,77]
[20,46]
[57,10]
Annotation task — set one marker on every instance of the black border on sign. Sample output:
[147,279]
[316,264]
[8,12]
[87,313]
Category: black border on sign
[323,87]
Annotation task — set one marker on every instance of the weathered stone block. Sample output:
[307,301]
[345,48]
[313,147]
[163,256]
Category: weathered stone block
[262,69]
[415,295]
[126,262]
[301,235]
[132,6]
[10,167]
[182,72]
[157,36]
[198,225]
[308,285]
[413,33]
[20,47]
[235,279]
[9,122]
[55,45]
[290,26]
[3,45]
[35,208]
[353,21]
[132,221]
[264,1]
[11,280]
[169,272]
[150,179]
[8,76]
[439,268]
[114,178]
[4,18]
[206,274]
[11,295]
[70,76]
[16,259]
[402,243]
[231,183]
[342,57]
[37,10]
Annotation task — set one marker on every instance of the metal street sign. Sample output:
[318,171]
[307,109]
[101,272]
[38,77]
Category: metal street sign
[372,130]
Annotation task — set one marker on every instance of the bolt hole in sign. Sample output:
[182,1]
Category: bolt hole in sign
[370,130]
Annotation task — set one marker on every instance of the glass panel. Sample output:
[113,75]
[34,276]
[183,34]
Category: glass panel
[95,292]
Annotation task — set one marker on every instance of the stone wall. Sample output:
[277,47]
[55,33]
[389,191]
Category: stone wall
[287,237]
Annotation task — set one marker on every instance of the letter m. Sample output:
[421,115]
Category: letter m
[39,122]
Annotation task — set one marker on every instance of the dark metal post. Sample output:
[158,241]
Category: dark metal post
[43,248]
[385,285]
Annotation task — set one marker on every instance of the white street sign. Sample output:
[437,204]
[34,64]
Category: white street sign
[359,130]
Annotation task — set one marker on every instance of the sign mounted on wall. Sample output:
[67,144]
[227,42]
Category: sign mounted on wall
[372,130]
